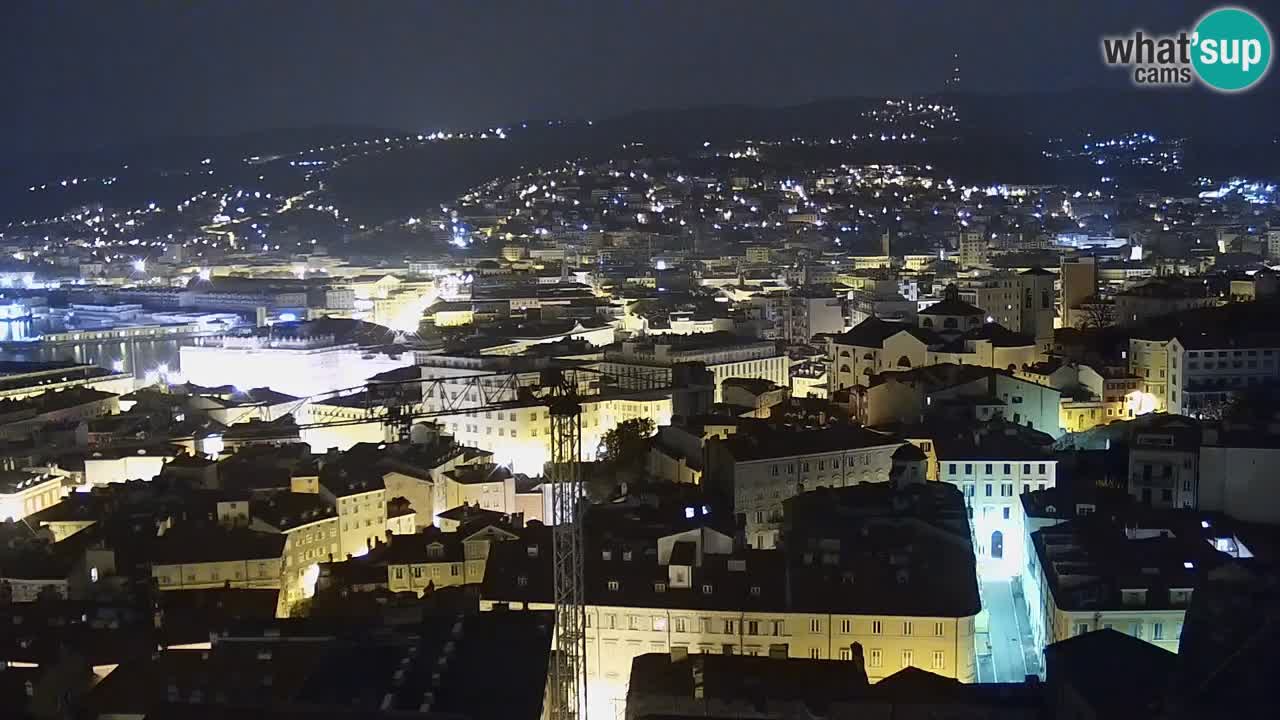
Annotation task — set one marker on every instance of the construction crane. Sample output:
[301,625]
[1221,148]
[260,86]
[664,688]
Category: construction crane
[569,667]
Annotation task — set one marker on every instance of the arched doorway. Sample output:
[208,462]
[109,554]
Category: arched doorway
[997,545]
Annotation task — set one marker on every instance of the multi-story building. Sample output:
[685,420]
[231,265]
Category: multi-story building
[1079,286]
[25,492]
[1156,362]
[1022,302]
[301,365]
[797,315]
[691,591]
[877,346]
[310,526]
[439,559]
[759,470]
[992,467]
[1164,459]
[959,394]
[1140,303]
[20,380]
[216,557]
[1195,373]
[724,355]
[974,246]
[1092,573]
[1273,244]
[361,500]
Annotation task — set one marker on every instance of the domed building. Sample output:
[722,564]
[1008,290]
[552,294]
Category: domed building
[951,316]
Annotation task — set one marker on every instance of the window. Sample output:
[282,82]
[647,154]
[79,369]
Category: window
[939,660]
[706,589]
[937,629]
[1040,468]
[846,654]
[1136,629]
[988,489]
[877,658]
[951,468]
[968,469]
[613,585]
[1026,468]
[729,627]
[1157,631]
[753,627]
[779,627]
[876,627]
[815,626]
[846,626]
[907,627]
[908,657]
[1008,468]
[1006,513]
[1082,628]
[988,470]
[660,624]
[680,625]
[815,654]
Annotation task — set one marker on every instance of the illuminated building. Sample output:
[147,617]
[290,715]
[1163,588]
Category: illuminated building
[993,468]
[760,470]
[442,559]
[1086,571]
[724,355]
[1157,363]
[361,500]
[24,492]
[960,394]
[20,380]
[297,365]
[215,557]
[1023,302]
[797,315]
[690,591]
[310,526]
[1079,285]
[974,247]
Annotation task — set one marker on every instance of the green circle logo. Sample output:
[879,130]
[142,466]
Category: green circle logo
[1231,49]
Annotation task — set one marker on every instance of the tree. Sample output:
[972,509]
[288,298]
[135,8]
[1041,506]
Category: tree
[627,444]
[621,456]
[1095,314]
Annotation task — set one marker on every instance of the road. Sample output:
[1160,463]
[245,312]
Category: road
[1013,655]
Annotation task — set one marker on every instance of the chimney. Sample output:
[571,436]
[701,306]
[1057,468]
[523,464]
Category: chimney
[859,662]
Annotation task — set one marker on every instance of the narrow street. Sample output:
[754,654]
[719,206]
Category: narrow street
[1013,654]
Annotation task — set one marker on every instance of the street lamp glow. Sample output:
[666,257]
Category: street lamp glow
[140,265]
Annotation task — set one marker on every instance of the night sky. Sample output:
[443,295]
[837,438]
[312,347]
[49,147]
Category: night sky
[79,74]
